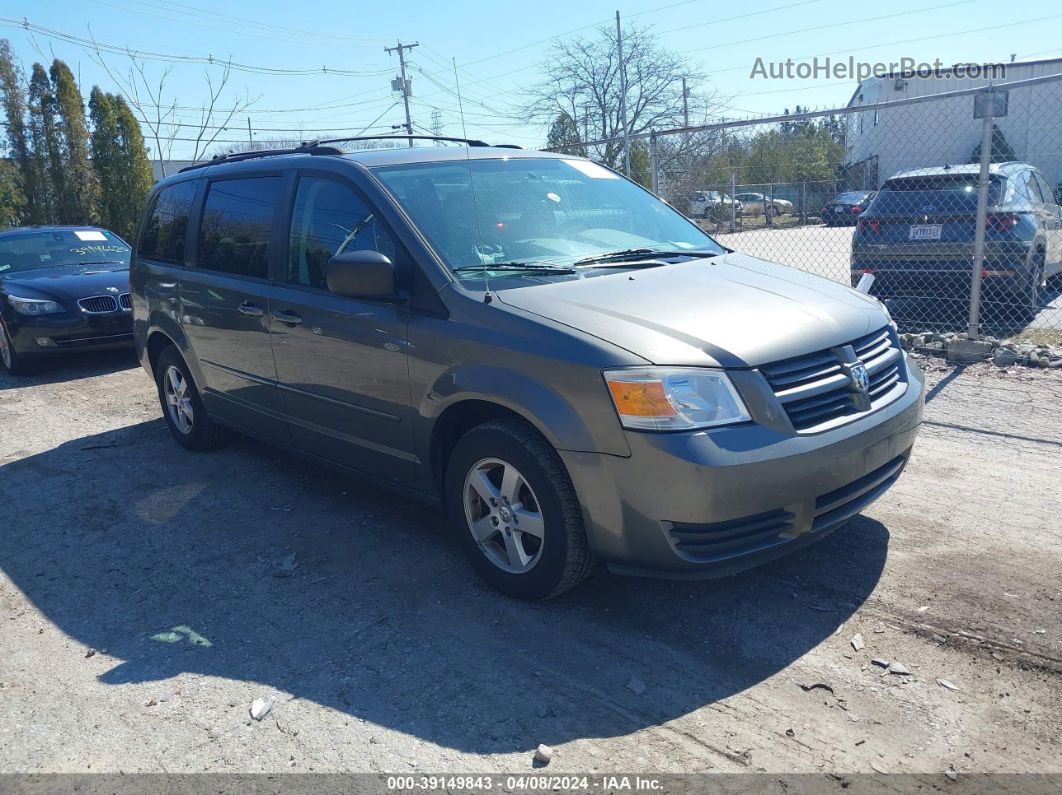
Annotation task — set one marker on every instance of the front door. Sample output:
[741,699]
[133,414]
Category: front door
[225,304]
[341,362]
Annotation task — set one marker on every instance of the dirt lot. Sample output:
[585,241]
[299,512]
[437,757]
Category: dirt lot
[148,594]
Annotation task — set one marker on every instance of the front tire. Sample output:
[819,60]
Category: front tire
[514,512]
[11,360]
[182,407]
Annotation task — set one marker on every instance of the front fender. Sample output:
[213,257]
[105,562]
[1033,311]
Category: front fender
[565,425]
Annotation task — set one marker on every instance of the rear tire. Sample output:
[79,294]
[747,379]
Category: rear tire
[182,407]
[12,361]
[550,555]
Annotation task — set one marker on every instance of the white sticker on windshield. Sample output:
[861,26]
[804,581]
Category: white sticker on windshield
[89,234]
[592,170]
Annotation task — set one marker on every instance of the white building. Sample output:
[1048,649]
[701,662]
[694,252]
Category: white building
[880,143]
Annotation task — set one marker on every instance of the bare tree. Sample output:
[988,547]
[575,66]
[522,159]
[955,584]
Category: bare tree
[147,95]
[583,81]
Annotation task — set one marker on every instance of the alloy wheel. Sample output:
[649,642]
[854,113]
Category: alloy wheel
[178,399]
[504,515]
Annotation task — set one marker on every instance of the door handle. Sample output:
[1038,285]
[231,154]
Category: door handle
[287,316]
[252,309]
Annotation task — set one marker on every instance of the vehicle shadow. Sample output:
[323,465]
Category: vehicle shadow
[176,562]
[999,316]
[85,364]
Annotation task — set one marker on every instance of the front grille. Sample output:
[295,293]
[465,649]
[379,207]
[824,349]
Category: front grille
[721,540]
[98,304]
[125,301]
[816,389]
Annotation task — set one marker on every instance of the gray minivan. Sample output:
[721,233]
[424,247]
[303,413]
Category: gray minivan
[575,371]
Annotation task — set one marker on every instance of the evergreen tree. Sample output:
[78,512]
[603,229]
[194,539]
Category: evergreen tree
[563,134]
[18,185]
[106,157]
[1002,152]
[78,199]
[12,200]
[135,177]
[44,144]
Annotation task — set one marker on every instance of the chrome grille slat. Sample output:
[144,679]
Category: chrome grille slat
[98,304]
[815,389]
[125,301]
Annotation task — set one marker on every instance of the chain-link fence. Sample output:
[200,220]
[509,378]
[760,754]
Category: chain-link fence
[949,201]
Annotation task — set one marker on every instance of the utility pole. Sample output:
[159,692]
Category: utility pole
[402,84]
[250,138]
[685,105]
[623,98]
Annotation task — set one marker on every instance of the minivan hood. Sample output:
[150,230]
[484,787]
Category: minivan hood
[727,311]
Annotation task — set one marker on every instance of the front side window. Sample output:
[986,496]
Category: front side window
[23,251]
[237,223]
[329,218]
[164,232]
[546,210]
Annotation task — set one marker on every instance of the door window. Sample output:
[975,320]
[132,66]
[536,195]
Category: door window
[1045,188]
[1033,188]
[165,230]
[329,218]
[237,223]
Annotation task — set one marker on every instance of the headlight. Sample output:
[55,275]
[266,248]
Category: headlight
[34,306]
[673,398]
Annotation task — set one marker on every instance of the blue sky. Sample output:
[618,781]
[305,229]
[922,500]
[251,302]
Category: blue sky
[498,49]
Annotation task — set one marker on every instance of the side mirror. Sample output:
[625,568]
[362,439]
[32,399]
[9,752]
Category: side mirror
[361,274]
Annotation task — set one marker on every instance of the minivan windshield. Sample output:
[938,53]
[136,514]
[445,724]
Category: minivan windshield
[535,210]
[49,248]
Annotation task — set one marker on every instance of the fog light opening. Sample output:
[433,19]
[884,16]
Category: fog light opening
[45,342]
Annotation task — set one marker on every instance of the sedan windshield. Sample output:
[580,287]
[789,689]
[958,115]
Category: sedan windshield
[479,213]
[23,251]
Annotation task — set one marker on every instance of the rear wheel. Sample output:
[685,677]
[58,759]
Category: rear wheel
[1031,294]
[11,360]
[182,408]
[514,511]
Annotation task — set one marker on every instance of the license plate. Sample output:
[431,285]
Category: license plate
[925,232]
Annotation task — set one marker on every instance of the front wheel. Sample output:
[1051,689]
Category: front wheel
[514,511]
[14,362]
[182,407]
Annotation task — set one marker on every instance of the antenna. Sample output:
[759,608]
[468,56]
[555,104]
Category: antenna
[460,105]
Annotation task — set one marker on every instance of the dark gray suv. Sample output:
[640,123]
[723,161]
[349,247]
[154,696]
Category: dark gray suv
[569,366]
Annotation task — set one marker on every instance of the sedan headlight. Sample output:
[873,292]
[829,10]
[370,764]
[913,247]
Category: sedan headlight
[34,306]
[674,398]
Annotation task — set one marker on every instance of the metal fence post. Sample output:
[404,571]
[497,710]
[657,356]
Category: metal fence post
[768,204]
[803,203]
[653,175]
[973,331]
[733,201]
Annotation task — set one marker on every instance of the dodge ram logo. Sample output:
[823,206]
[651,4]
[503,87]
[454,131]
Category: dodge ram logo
[860,379]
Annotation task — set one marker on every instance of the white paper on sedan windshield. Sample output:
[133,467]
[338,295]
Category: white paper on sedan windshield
[592,170]
[89,234]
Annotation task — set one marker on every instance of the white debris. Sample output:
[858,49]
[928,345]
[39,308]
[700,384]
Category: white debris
[260,707]
[898,668]
[923,608]
[543,754]
[947,684]
[857,641]
[881,662]
[637,685]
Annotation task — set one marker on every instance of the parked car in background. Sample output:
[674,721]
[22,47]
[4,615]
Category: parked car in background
[711,203]
[917,235]
[62,289]
[757,204]
[569,366]
[844,209]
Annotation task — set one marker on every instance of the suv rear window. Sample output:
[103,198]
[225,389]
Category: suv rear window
[237,223]
[165,230]
[934,193]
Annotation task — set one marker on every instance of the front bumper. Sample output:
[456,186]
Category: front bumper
[715,502]
[69,332]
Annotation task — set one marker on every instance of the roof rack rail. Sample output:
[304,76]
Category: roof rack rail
[468,141]
[320,147]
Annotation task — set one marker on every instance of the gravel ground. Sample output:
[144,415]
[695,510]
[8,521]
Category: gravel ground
[149,594]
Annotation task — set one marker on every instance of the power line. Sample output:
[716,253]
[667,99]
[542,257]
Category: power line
[179,59]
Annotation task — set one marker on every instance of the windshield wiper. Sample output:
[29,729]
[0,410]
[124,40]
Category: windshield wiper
[534,267]
[102,262]
[640,253]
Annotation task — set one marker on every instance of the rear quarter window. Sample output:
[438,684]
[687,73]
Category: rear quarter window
[166,227]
